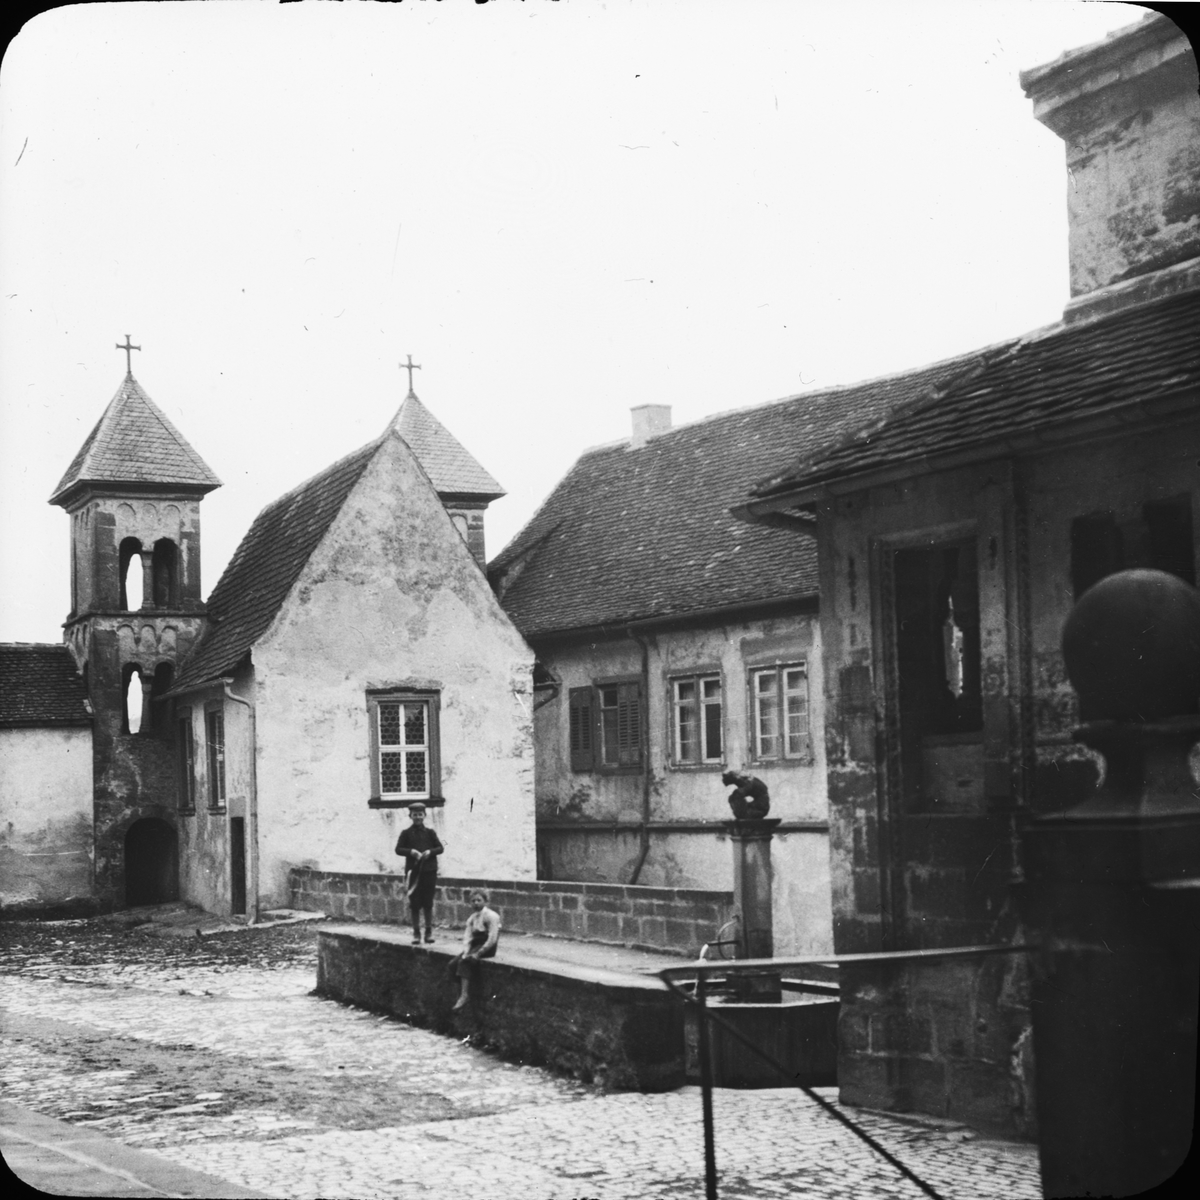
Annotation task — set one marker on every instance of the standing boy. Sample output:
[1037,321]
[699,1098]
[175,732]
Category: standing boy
[420,846]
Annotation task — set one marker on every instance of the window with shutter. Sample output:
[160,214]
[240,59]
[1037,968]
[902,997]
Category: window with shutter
[582,731]
[620,724]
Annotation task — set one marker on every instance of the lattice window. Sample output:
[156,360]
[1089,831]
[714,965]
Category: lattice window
[404,754]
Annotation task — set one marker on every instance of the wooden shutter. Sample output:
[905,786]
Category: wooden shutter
[629,724]
[583,729]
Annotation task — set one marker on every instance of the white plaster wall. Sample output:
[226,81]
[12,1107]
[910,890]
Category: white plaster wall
[392,598]
[46,843]
[684,792]
[204,858]
[801,909]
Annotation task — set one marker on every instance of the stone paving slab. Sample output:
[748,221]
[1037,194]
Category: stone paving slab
[769,1142]
[230,1067]
[64,1160]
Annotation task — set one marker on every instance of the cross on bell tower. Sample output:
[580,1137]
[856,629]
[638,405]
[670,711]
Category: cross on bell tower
[410,367]
[129,357]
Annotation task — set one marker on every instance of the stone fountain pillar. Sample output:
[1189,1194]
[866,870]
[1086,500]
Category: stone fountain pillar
[751,841]
[1112,895]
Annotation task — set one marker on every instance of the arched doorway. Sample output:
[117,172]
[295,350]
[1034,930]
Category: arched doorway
[151,863]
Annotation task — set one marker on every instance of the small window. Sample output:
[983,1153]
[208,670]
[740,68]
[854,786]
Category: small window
[214,732]
[404,748]
[134,698]
[605,729]
[697,719]
[620,725]
[1097,550]
[185,749]
[160,706]
[779,712]
[1169,528]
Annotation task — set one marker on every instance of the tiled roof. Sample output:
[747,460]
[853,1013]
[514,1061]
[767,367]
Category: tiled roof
[266,565]
[450,468]
[1061,375]
[133,442]
[39,685]
[643,534]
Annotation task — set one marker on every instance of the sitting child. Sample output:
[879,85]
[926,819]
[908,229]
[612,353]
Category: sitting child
[480,937]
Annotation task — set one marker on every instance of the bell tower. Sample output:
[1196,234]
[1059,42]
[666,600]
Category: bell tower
[133,494]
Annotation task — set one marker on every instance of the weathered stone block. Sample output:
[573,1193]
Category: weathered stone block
[603,927]
[681,935]
[901,1033]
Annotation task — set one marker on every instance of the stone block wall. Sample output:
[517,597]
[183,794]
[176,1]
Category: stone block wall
[622,1032]
[948,1038]
[677,920]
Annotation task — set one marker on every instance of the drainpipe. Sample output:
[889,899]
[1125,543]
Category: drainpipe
[645,732]
[252,807]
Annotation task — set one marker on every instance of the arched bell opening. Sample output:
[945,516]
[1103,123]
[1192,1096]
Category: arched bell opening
[164,572]
[132,582]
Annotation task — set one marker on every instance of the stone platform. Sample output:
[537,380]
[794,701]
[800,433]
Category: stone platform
[596,1012]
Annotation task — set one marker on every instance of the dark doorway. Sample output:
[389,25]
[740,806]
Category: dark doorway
[151,863]
[237,863]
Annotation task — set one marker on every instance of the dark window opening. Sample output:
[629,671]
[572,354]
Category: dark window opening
[131,716]
[1097,550]
[237,865]
[160,708]
[164,571]
[185,751]
[1171,542]
[214,731]
[130,558]
[938,668]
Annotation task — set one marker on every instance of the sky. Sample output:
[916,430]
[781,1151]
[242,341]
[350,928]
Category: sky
[560,210]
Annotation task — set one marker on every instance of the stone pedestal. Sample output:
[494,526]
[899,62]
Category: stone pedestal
[1112,895]
[751,841]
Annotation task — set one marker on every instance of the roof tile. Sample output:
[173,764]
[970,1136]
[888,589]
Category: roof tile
[451,469]
[1050,377]
[642,534]
[267,563]
[39,686]
[133,442]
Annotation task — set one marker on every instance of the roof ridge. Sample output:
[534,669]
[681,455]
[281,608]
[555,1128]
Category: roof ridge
[329,470]
[973,364]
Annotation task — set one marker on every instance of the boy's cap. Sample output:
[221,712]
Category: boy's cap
[416,807]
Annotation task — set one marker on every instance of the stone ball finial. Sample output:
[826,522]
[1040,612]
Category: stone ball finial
[1132,647]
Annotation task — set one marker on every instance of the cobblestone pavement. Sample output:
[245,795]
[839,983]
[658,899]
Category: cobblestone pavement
[213,1053]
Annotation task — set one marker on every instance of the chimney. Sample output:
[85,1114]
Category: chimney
[648,419]
[1129,114]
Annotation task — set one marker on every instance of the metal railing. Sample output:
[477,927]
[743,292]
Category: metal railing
[703,972]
